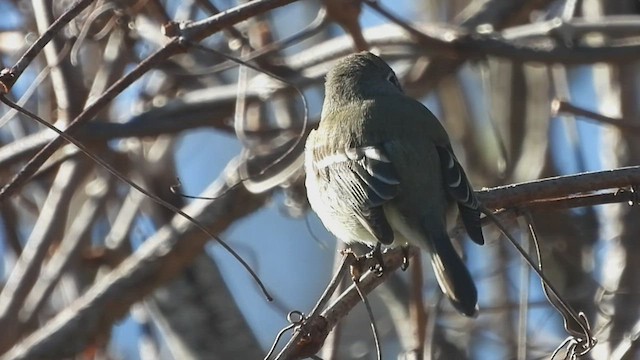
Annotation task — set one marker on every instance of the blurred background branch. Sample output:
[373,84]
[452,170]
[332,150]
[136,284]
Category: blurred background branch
[92,268]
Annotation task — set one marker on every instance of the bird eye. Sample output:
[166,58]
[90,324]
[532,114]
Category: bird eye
[394,80]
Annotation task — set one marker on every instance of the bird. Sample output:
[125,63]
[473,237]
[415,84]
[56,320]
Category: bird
[380,170]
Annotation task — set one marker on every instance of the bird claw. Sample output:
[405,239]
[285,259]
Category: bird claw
[376,255]
[405,258]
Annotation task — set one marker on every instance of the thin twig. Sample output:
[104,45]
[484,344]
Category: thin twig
[575,324]
[291,346]
[610,26]
[563,307]
[559,78]
[192,31]
[523,310]
[157,199]
[160,258]
[199,30]
[393,259]
[559,107]
[317,325]
[230,31]
[445,47]
[330,348]
[8,78]
[66,252]
[372,322]
[292,154]
[45,231]
[68,90]
[36,162]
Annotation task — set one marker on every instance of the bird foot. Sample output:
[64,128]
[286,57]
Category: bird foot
[405,257]
[376,254]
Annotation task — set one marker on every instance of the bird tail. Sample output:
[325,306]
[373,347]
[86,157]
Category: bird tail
[454,277]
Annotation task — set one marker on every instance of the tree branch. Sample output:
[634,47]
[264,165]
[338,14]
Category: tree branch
[192,31]
[158,260]
[522,194]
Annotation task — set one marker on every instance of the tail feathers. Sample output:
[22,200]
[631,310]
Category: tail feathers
[454,278]
[471,220]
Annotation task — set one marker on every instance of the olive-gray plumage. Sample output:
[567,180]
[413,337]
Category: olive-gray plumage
[380,169]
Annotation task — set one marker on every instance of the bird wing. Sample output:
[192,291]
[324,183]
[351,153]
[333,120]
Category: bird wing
[365,179]
[460,190]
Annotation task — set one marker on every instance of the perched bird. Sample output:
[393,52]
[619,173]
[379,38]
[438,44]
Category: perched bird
[380,170]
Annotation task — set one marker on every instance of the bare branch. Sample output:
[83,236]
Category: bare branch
[521,194]
[45,232]
[191,31]
[558,107]
[8,78]
[158,260]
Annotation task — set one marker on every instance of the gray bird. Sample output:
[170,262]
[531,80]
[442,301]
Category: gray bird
[380,170]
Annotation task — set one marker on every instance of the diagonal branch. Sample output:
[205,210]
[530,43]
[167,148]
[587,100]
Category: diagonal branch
[191,31]
[9,77]
[158,260]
